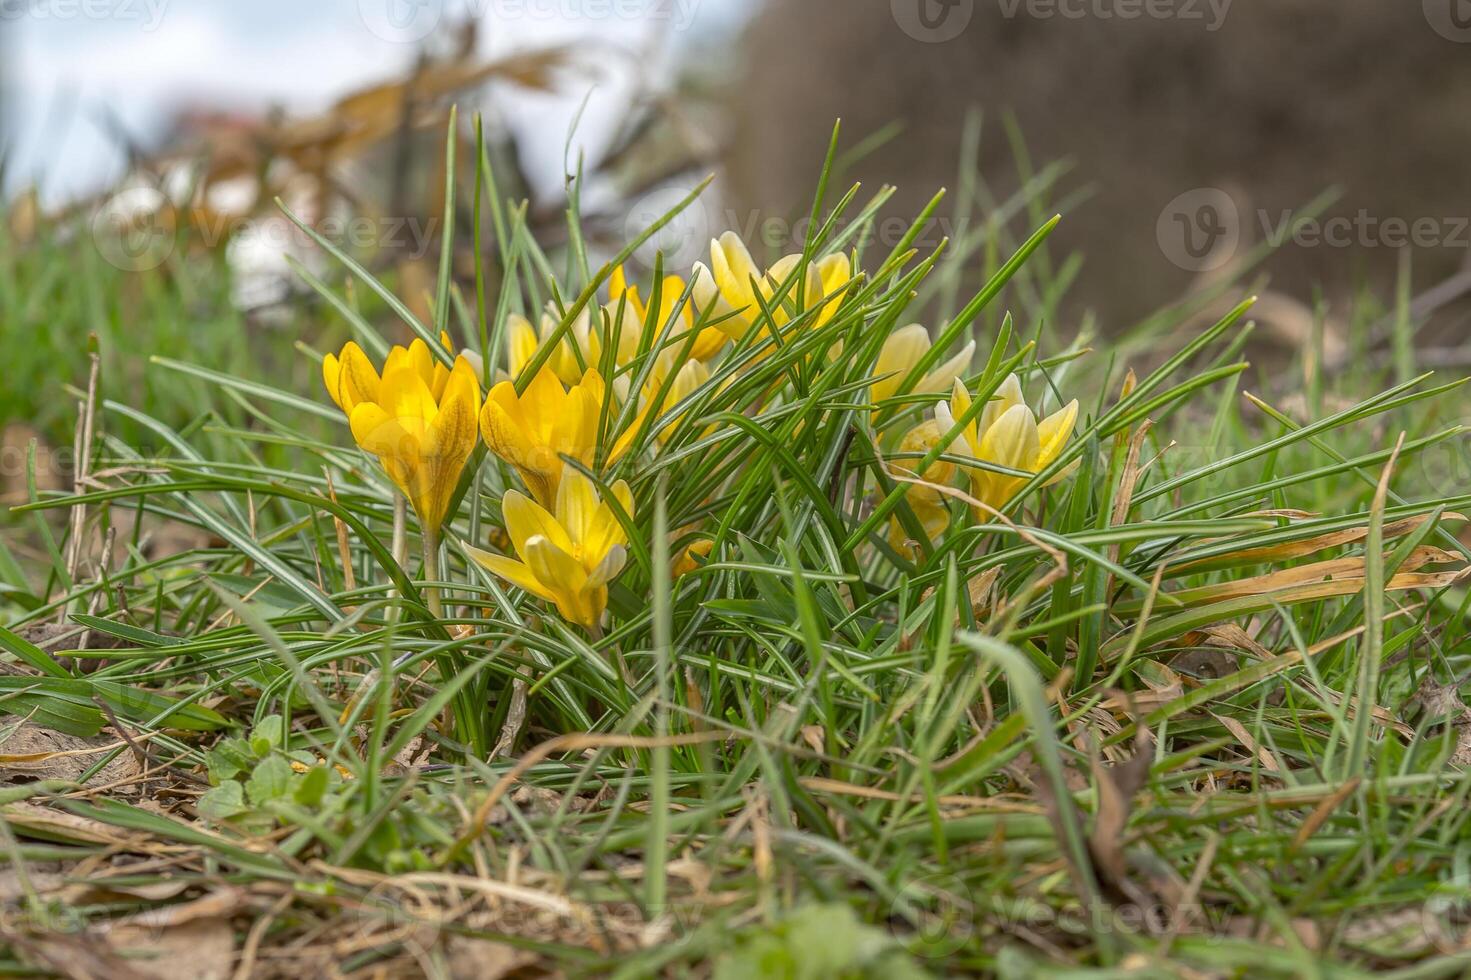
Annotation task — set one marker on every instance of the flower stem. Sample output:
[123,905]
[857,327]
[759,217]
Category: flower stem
[430,539]
[400,524]
[400,543]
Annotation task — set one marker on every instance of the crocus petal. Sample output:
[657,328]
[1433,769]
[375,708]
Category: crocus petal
[405,395]
[542,404]
[671,290]
[506,437]
[607,569]
[605,531]
[563,575]
[625,439]
[617,284]
[734,271]
[921,439]
[901,352]
[942,377]
[331,375]
[575,351]
[1008,396]
[521,343]
[1054,431]
[1011,442]
[934,518]
[686,382]
[421,360]
[578,434]
[960,402]
[526,519]
[833,275]
[622,331]
[382,434]
[450,439]
[477,363]
[945,416]
[577,505]
[511,570]
[799,291]
[585,338]
[357,381]
[708,344]
[712,305]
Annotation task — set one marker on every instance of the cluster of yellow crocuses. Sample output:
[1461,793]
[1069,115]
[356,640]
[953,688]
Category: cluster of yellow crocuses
[422,420]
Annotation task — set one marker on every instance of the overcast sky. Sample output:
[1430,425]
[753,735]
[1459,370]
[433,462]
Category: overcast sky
[70,65]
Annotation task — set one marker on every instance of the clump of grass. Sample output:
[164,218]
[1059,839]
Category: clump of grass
[1184,697]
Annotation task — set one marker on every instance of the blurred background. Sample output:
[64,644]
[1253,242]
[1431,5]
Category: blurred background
[1314,150]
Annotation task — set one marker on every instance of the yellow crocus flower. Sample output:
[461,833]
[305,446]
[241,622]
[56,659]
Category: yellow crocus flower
[567,555]
[1006,433]
[687,380]
[727,286]
[902,351]
[418,418]
[707,343]
[523,341]
[533,430]
[928,503]
[692,558]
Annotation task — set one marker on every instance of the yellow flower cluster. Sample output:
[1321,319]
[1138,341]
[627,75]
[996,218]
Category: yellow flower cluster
[418,418]
[421,419]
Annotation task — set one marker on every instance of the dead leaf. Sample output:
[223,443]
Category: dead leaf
[44,823]
[1117,785]
[203,949]
[79,957]
[31,752]
[215,905]
[979,589]
[13,885]
[1165,685]
[1333,570]
[1239,732]
[1323,811]
[1442,704]
[1307,546]
[482,959]
[100,890]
